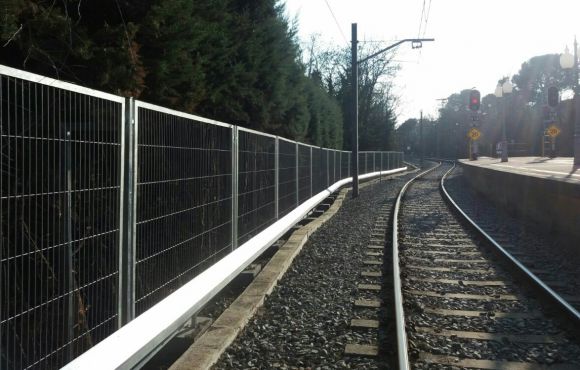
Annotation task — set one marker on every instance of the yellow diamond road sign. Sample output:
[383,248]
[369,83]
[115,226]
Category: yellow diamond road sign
[553,131]
[474,134]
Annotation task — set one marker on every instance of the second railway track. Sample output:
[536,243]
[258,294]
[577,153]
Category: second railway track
[462,309]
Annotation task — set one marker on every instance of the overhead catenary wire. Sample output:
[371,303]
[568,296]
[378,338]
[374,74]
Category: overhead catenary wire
[421,19]
[427,18]
[336,22]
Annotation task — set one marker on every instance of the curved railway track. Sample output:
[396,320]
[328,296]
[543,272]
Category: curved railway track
[458,303]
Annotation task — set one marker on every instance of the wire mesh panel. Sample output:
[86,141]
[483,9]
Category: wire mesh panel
[336,165]
[60,187]
[344,165]
[328,165]
[184,194]
[331,179]
[368,162]
[318,176]
[361,163]
[377,161]
[286,176]
[256,183]
[303,172]
[325,167]
[383,156]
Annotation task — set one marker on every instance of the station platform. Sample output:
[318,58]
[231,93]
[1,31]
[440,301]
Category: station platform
[559,168]
[545,191]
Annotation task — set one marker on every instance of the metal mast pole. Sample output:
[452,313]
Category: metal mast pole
[504,147]
[354,111]
[576,108]
[421,144]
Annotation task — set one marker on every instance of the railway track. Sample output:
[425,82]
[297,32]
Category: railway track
[457,305]
[530,243]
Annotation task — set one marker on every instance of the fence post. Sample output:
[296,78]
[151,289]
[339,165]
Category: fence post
[348,165]
[69,263]
[311,191]
[127,241]
[297,175]
[277,177]
[333,166]
[235,172]
[381,167]
[327,168]
[340,165]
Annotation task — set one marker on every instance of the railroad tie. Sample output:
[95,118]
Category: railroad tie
[489,364]
[371,274]
[367,303]
[363,350]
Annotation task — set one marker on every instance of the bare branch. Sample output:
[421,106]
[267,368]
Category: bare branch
[13,36]
[79,12]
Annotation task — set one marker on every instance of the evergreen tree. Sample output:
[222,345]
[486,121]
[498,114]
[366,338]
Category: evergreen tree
[231,60]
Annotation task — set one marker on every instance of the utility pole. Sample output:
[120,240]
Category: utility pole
[354,111]
[443,102]
[416,43]
[576,101]
[421,143]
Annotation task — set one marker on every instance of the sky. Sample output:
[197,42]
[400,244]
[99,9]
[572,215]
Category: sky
[476,42]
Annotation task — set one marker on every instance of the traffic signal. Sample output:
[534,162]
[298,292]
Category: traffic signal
[553,96]
[474,100]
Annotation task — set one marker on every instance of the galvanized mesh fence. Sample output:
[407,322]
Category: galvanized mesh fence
[183,218]
[108,205]
[318,176]
[362,163]
[287,175]
[345,164]
[332,166]
[304,177]
[59,214]
[325,166]
[256,184]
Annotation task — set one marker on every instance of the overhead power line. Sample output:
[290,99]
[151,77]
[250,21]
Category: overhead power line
[427,18]
[336,22]
[421,20]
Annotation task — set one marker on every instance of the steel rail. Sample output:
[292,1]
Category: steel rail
[554,298]
[133,344]
[402,346]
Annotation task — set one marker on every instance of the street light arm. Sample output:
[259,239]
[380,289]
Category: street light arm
[391,47]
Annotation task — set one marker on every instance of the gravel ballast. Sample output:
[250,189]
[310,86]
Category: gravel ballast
[529,242]
[467,318]
[305,322]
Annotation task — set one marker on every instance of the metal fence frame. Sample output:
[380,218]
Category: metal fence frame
[69,102]
[306,186]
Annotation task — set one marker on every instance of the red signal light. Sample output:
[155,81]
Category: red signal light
[474,100]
